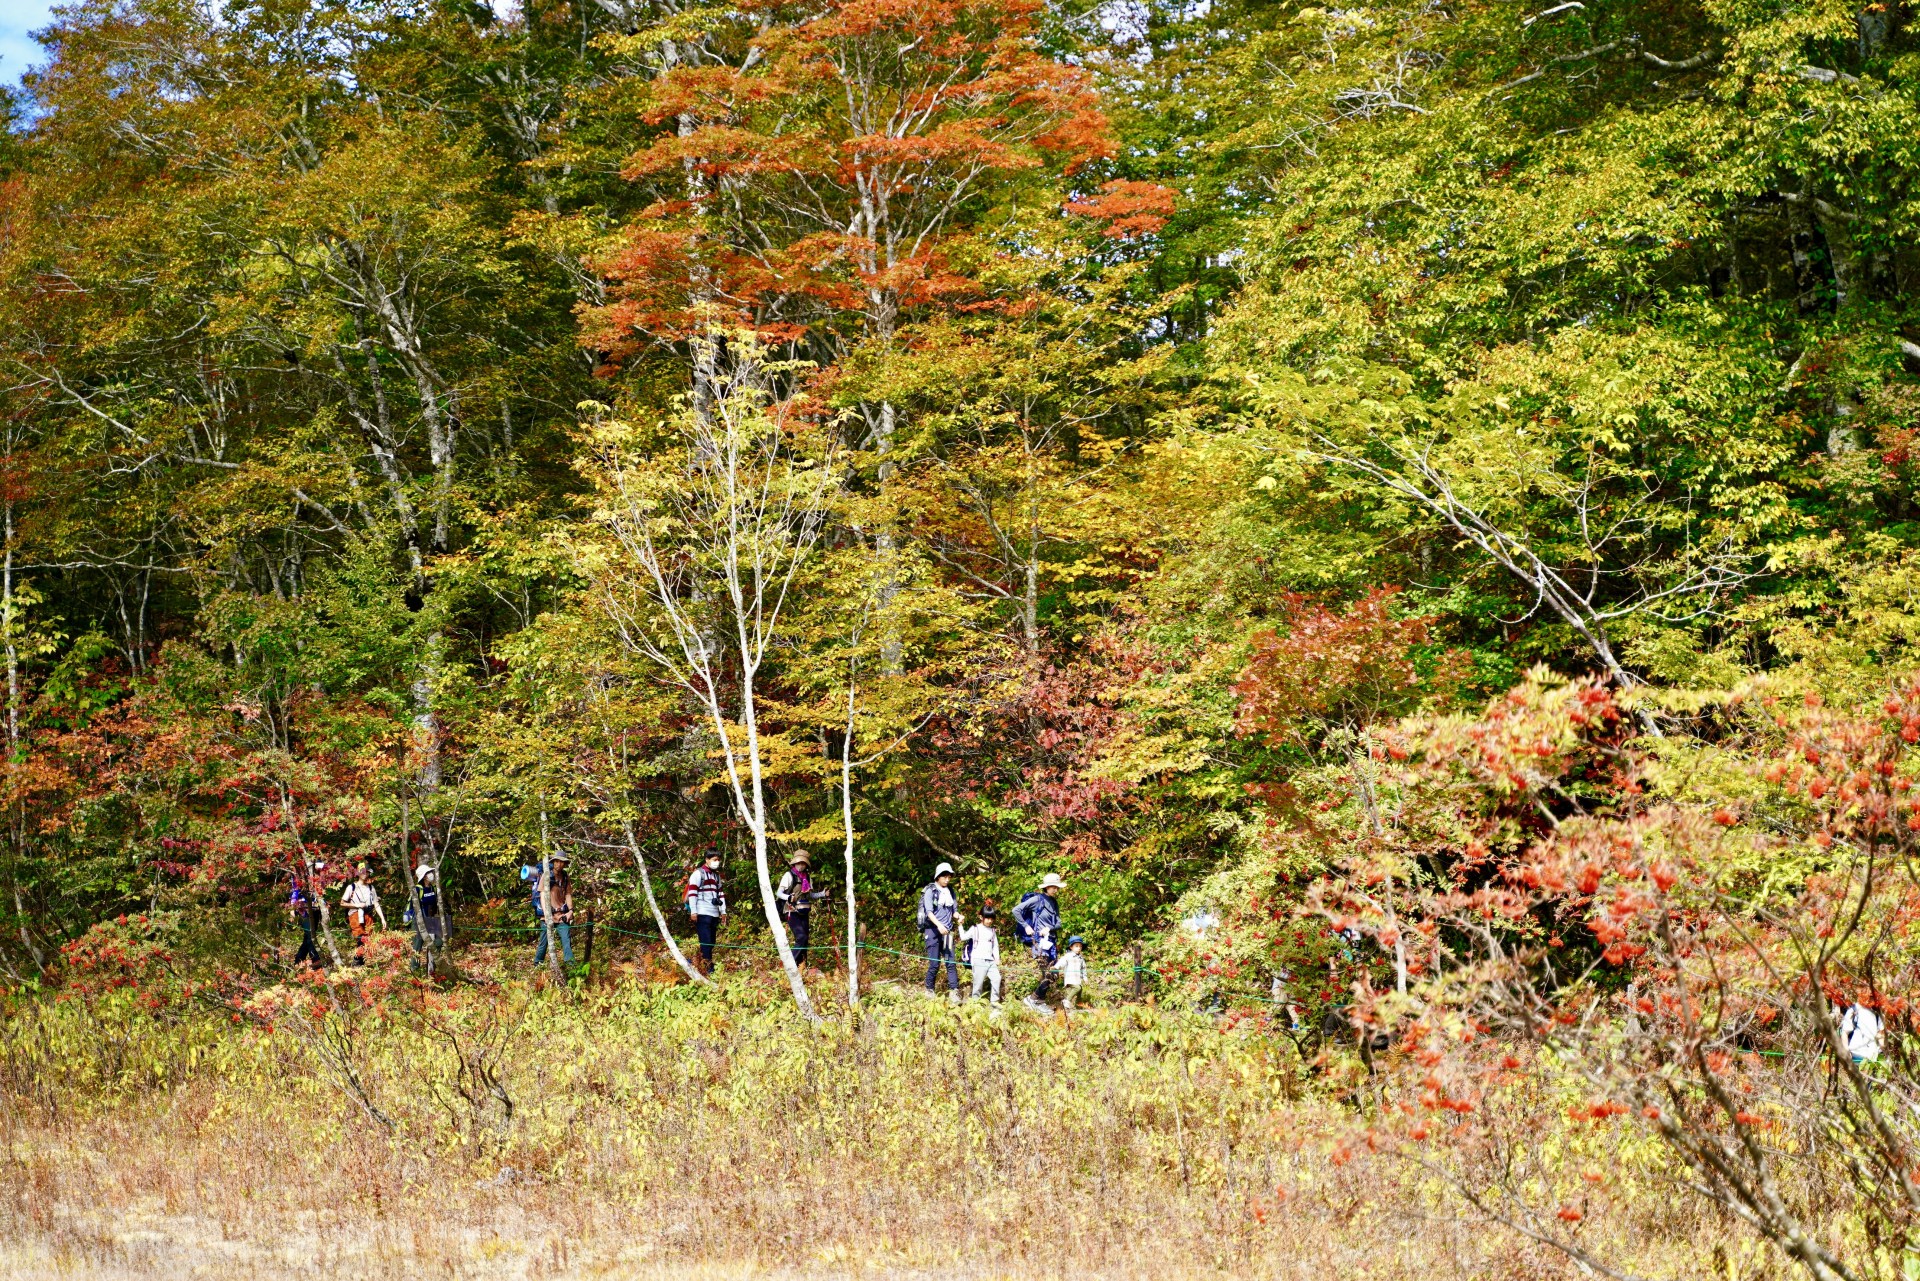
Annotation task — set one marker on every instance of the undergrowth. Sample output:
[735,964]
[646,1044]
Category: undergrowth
[501,1130]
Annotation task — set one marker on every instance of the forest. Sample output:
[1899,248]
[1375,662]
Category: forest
[1408,511]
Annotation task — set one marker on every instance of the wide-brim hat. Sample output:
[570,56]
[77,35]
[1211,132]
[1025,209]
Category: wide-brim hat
[945,869]
[801,857]
[1052,881]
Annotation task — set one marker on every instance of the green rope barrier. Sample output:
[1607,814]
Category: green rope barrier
[833,949]
[836,949]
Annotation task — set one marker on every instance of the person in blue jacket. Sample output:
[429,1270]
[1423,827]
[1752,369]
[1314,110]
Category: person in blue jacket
[1036,919]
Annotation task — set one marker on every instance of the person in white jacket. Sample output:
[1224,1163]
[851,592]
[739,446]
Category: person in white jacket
[1860,1029]
[362,904]
[706,904]
[1073,971]
[983,954]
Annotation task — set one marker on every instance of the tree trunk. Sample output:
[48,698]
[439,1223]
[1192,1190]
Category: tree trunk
[1030,604]
[319,895]
[1370,801]
[660,918]
[421,934]
[16,816]
[886,545]
[757,822]
[543,884]
[846,819]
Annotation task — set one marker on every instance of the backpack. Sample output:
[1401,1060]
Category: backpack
[531,875]
[921,918]
[298,898]
[1020,926]
[799,893]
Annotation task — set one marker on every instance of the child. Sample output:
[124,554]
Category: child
[983,954]
[1073,971]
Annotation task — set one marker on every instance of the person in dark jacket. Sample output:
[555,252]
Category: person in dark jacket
[432,925]
[1036,918]
[796,897]
[303,904]
[939,919]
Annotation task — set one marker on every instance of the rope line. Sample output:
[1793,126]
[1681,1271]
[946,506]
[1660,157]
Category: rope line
[689,945]
[836,949]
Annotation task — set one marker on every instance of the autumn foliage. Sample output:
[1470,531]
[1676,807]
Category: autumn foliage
[1410,510]
[834,170]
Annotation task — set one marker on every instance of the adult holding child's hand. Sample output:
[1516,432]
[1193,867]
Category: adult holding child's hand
[939,920]
[1037,921]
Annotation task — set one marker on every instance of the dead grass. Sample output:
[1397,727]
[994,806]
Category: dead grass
[645,1132]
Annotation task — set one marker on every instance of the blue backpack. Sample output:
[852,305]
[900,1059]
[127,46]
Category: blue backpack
[1020,927]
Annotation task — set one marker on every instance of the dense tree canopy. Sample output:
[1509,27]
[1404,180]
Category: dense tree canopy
[1131,411]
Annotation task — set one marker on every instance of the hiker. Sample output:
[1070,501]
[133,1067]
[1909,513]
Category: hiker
[796,897]
[1073,972]
[1860,1030]
[939,915]
[706,903]
[983,954]
[1036,919]
[432,926]
[305,908]
[555,895]
[362,902]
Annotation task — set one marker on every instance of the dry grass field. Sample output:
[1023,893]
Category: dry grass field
[643,1132]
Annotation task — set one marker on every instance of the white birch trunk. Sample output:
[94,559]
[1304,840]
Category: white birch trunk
[660,918]
[846,819]
[16,820]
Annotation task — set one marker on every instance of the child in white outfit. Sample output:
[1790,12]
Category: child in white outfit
[1073,971]
[983,954]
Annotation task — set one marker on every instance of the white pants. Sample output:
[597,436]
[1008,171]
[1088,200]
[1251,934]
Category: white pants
[985,974]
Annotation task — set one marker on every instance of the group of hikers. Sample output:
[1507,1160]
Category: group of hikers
[948,941]
[948,946]
[1036,923]
[360,901]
